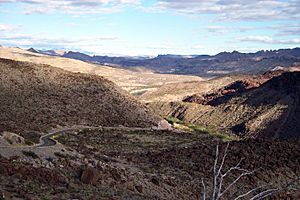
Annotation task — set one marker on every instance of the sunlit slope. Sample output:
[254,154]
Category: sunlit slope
[134,82]
[40,97]
[178,91]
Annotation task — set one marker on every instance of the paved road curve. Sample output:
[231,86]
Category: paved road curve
[47,140]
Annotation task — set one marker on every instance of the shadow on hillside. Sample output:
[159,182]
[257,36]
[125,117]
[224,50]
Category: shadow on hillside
[28,55]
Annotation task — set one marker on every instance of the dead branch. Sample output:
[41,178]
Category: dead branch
[248,193]
[218,178]
[215,173]
[264,194]
[203,190]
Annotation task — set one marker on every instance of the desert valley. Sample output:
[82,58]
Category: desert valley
[149,100]
[75,129]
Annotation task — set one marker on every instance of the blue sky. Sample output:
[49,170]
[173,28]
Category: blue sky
[137,27]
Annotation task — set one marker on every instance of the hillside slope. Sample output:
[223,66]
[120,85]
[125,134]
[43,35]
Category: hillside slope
[179,91]
[132,81]
[39,97]
[271,110]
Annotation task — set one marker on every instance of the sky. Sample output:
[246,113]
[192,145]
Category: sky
[140,27]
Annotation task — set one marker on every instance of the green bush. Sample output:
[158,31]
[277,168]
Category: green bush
[201,129]
[173,120]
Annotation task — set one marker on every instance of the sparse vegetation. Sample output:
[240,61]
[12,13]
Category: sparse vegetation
[28,142]
[30,154]
[173,120]
[61,137]
[60,155]
[177,123]
[154,160]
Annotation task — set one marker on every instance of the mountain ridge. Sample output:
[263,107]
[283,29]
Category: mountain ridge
[205,65]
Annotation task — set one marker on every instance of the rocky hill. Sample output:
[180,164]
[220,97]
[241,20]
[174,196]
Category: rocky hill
[234,88]
[40,97]
[270,110]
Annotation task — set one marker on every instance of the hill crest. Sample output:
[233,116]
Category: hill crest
[40,97]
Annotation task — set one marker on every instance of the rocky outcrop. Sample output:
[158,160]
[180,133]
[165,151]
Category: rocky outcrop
[163,125]
[7,138]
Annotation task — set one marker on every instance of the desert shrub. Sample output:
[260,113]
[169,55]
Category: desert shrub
[30,154]
[177,123]
[58,154]
[173,120]
[29,142]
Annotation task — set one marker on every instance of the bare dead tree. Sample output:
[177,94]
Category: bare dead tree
[218,177]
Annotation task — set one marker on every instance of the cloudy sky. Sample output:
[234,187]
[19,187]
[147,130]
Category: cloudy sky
[140,27]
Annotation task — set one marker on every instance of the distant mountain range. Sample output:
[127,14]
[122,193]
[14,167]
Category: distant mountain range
[48,52]
[203,65]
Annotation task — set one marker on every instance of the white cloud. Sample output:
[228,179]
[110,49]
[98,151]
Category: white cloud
[269,40]
[73,6]
[6,27]
[226,29]
[161,47]
[289,29]
[222,10]
[236,10]
[28,40]
[197,46]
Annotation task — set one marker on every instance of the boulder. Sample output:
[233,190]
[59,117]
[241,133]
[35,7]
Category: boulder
[164,125]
